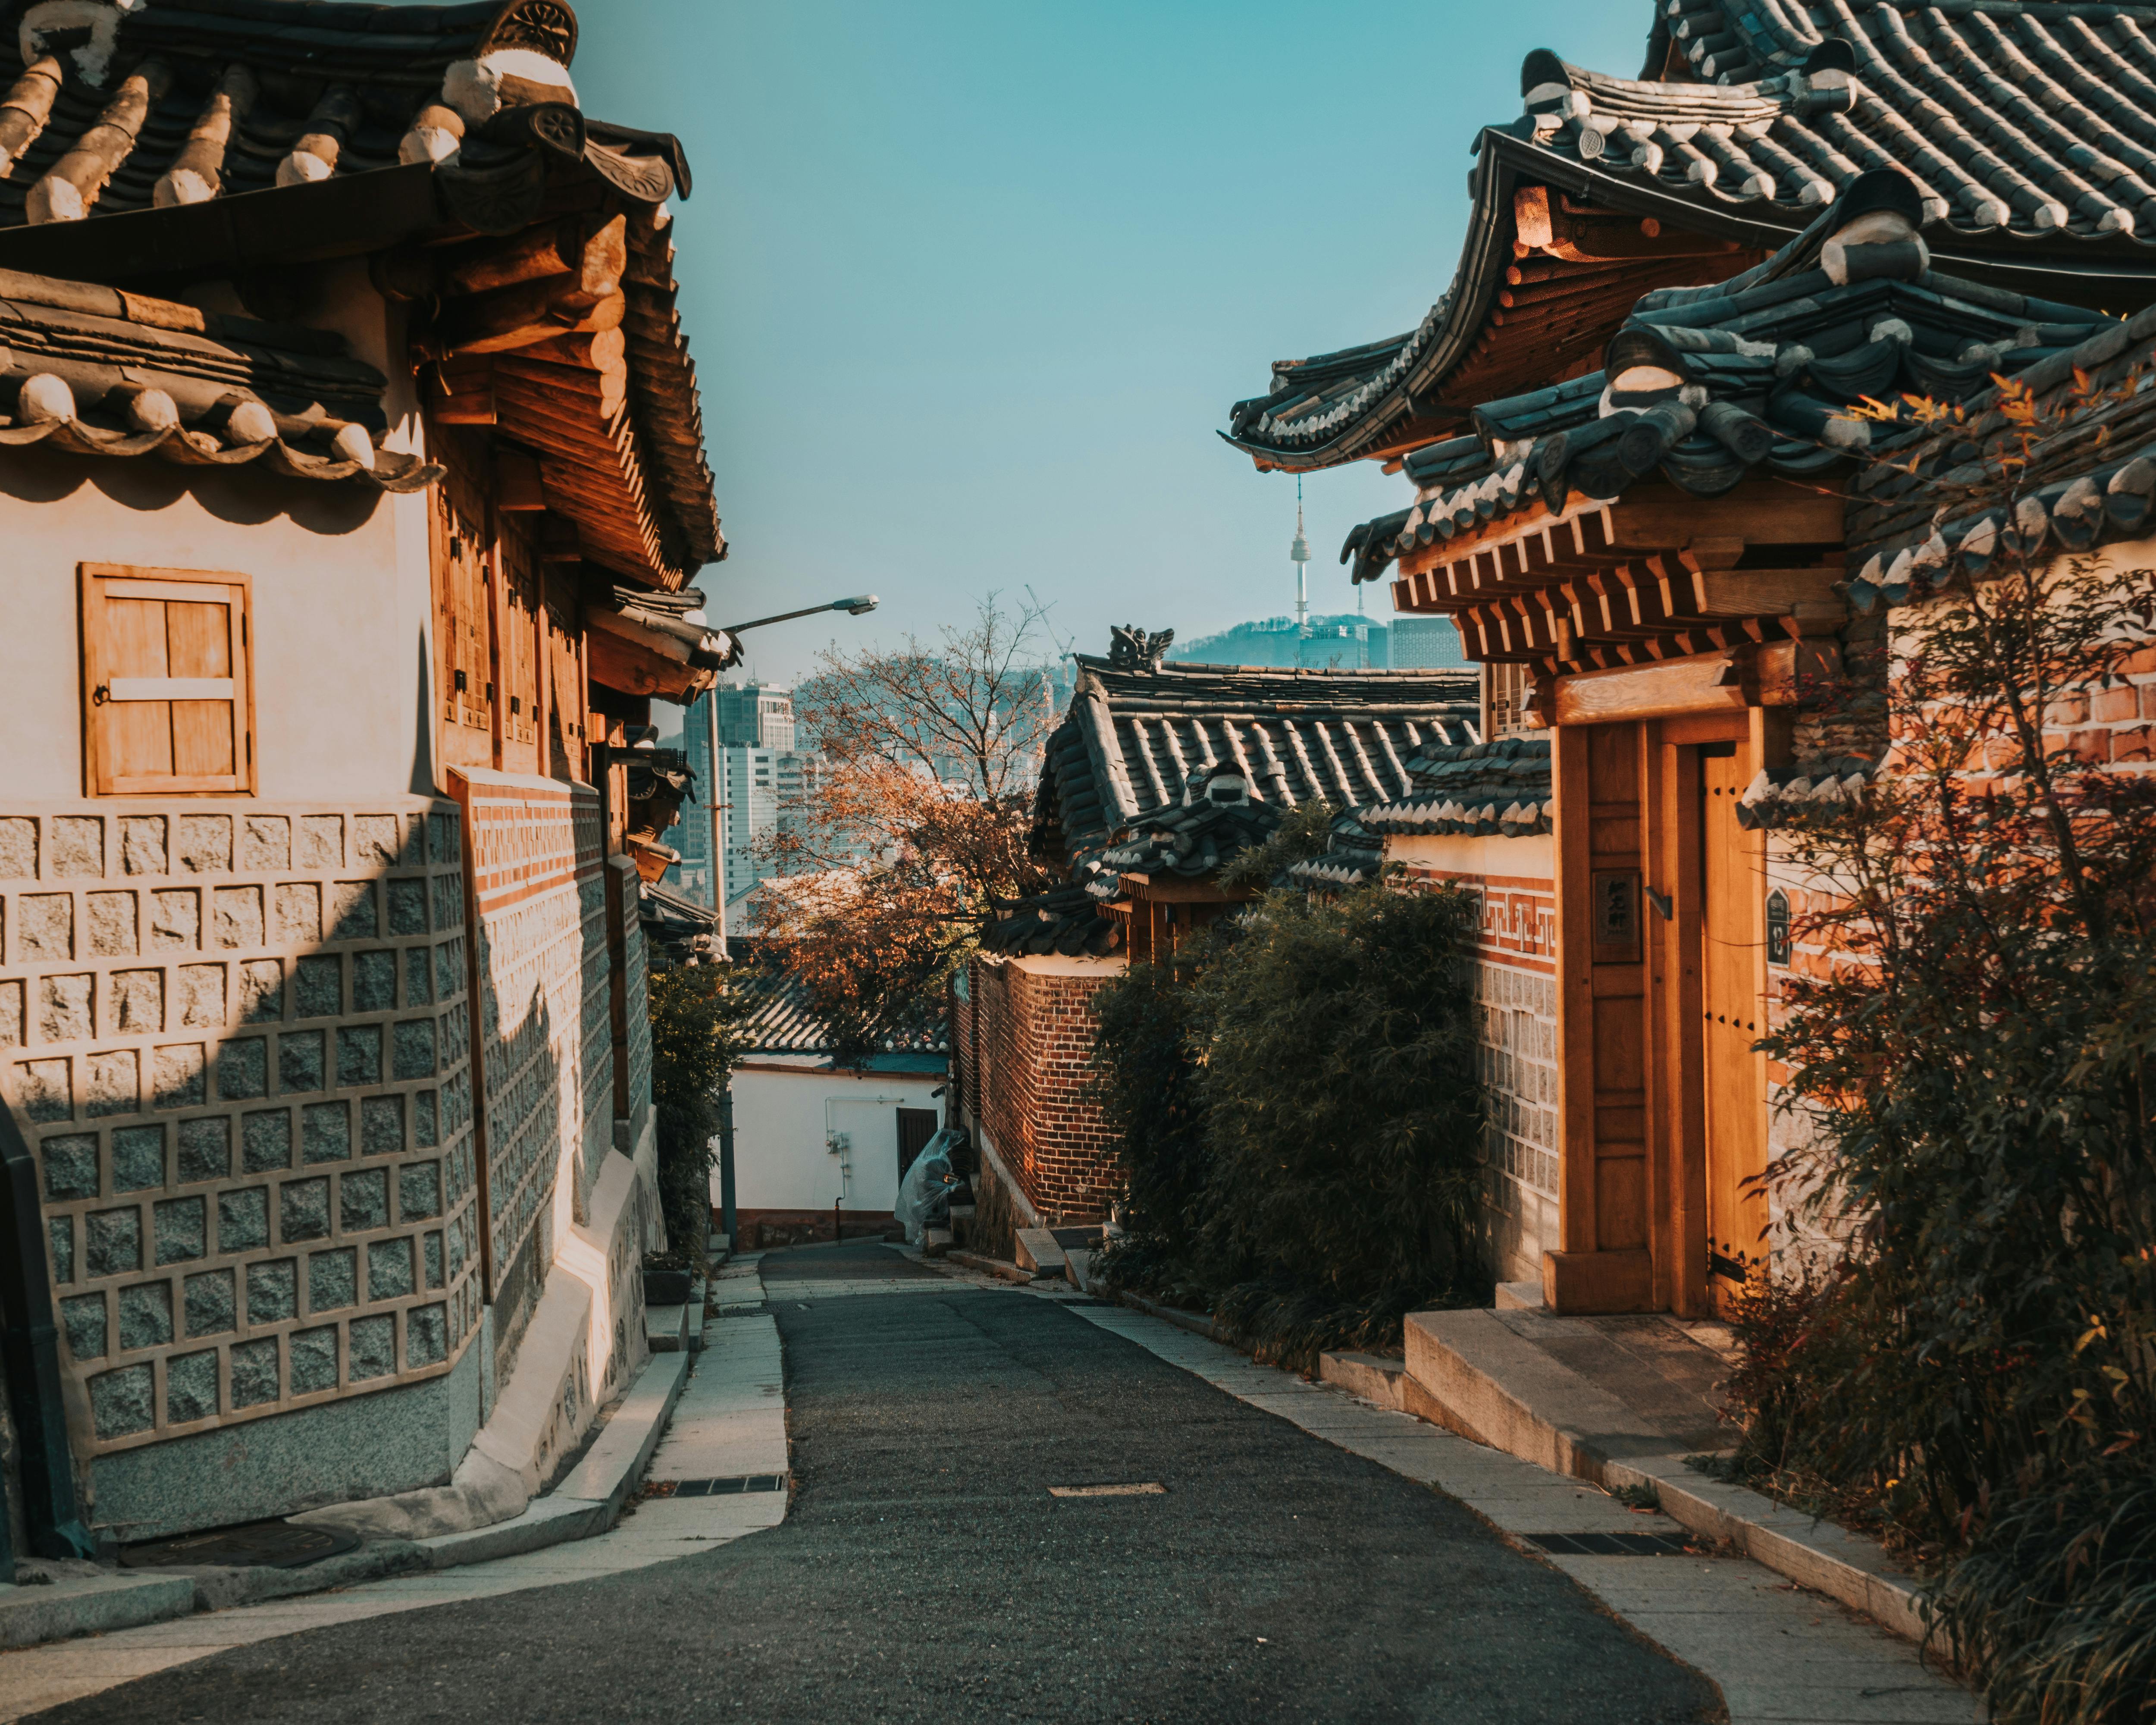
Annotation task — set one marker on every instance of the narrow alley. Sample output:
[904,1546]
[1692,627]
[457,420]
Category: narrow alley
[926,1569]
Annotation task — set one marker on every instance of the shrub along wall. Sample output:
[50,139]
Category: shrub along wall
[1299,1117]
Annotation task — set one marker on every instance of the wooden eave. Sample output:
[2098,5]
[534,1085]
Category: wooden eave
[637,666]
[1176,889]
[1656,574]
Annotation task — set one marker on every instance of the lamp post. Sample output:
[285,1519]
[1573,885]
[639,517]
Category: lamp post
[859,606]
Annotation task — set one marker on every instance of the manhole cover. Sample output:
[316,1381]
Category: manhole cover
[272,1545]
[1148,1488]
[1613,1545]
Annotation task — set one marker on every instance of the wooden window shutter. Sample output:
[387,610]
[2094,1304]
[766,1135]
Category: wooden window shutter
[168,683]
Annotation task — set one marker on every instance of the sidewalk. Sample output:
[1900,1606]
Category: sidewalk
[728,1423]
[1780,1654]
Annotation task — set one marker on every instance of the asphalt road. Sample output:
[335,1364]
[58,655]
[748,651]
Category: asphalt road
[925,1573]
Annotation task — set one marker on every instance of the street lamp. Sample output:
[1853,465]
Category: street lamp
[859,606]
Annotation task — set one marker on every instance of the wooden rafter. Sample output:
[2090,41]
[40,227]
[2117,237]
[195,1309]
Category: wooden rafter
[1648,577]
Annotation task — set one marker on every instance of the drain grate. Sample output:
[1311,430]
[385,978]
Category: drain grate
[270,1545]
[1613,1545]
[718,1488]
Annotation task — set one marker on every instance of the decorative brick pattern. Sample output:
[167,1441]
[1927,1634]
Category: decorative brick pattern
[237,1037]
[538,886]
[1030,1034]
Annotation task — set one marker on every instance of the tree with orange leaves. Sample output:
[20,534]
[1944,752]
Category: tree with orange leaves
[915,838]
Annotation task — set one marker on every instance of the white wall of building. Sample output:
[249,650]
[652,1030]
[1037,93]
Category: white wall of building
[783,1112]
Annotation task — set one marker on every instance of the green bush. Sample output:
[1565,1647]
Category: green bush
[1146,1084]
[1301,1118]
[695,1041]
[1977,1079]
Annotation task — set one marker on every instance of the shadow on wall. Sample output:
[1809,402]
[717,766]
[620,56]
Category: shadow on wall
[239,1040]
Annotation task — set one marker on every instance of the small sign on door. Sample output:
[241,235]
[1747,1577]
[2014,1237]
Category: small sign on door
[1615,898]
[1778,927]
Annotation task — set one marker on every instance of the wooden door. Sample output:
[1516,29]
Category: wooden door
[167,677]
[1734,1116]
[916,1127]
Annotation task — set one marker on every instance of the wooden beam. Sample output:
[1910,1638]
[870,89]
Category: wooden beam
[1712,682]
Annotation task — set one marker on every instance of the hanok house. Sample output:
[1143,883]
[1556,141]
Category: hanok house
[1158,777]
[1628,427]
[351,476]
[1662,553]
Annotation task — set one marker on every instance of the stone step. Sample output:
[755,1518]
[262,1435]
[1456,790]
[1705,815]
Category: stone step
[1038,1251]
[1473,1373]
[1374,1377]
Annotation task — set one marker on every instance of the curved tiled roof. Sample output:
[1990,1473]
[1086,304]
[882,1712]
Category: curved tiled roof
[2029,131]
[1065,920]
[2090,477]
[1500,787]
[268,81]
[94,371]
[782,1017]
[1354,853]
[1773,360]
[210,137]
[1133,740]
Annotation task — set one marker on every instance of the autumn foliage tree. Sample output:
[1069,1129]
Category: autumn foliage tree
[915,838]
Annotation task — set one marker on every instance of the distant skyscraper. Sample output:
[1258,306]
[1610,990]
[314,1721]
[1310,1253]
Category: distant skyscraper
[753,716]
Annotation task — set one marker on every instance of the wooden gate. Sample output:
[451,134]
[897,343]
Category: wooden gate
[1734,1117]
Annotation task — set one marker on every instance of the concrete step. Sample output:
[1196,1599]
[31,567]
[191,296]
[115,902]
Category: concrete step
[1375,1376]
[1519,1296]
[666,1328]
[1474,1373]
[989,1266]
[1038,1251]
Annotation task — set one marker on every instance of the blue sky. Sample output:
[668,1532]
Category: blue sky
[971,286]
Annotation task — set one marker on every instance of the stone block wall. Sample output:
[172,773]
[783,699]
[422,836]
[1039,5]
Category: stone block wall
[544,977]
[1029,1025]
[237,1036]
[1516,1050]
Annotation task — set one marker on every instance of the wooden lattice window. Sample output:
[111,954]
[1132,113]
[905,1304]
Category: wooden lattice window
[168,685]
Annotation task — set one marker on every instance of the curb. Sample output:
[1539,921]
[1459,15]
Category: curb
[1194,1322]
[1469,1374]
[587,1501]
[89,1605]
[990,1266]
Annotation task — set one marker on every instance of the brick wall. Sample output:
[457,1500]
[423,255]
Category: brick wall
[1025,1034]
[538,875]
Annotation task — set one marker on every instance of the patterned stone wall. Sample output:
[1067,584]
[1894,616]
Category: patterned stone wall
[1516,1038]
[237,1036]
[537,874]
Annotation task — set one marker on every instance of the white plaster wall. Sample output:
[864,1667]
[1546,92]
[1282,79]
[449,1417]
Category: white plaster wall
[343,596]
[780,1116]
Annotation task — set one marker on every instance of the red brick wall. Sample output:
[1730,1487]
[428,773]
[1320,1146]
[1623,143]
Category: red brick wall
[1025,1037]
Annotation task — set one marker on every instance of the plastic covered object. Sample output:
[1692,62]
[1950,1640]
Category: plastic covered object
[924,1195]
